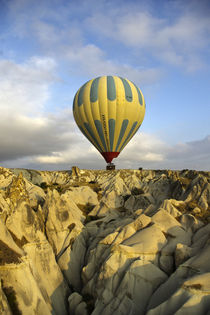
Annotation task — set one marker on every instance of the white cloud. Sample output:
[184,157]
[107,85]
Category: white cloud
[63,35]
[24,91]
[153,157]
[176,40]
[55,158]
[177,35]
[149,151]
[92,61]
[22,136]
[24,88]
[69,147]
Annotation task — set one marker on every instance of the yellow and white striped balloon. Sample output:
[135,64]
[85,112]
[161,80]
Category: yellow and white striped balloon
[109,110]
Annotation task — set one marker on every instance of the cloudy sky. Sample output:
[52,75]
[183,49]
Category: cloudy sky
[48,49]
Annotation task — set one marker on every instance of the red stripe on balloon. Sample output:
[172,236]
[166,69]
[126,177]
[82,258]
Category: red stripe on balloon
[109,156]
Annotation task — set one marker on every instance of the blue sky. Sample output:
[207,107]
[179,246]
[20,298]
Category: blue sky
[48,49]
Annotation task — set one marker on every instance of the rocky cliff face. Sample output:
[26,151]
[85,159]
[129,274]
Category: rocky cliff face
[104,242]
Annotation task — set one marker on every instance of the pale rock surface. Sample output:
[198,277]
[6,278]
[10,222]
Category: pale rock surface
[63,220]
[44,177]
[204,230]
[7,239]
[4,306]
[175,234]
[182,253]
[76,305]
[114,190]
[141,222]
[4,206]
[6,177]
[48,275]
[72,261]
[160,189]
[194,266]
[147,242]
[25,224]
[169,206]
[82,195]
[144,277]
[114,193]
[143,249]
[192,298]
[139,202]
[19,279]
[199,190]
[134,184]
[36,195]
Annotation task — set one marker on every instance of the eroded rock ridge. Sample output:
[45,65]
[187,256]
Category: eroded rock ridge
[104,242]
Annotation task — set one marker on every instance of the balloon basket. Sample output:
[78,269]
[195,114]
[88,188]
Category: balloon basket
[110,167]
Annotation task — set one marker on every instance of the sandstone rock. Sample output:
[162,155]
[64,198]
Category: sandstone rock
[147,242]
[76,304]
[47,275]
[201,232]
[197,186]
[169,206]
[17,192]
[118,237]
[115,192]
[194,266]
[129,203]
[7,239]
[134,185]
[6,177]
[75,171]
[192,298]
[112,199]
[72,261]
[4,306]
[182,253]
[188,221]
[101,210]
[74,300]
[25,224]
[81,309]
[18,281]
[123,274]
[140,250]
[139,202]
[44,177]
[160,189]
[4,207]
[144,277]
[166,222]
[196,210]
[36,195]
[122,306]
[64,220]
[82,195]
[32,176]
[174,233]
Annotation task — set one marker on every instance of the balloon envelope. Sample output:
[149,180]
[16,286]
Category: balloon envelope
[109,110]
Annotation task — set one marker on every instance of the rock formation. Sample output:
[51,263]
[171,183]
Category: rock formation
[104,242]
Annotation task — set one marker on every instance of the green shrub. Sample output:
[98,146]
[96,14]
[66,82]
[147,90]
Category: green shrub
[43,185]
[137,191]
[90,218]
[87,208]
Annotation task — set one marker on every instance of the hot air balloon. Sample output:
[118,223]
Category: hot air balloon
[109,110]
